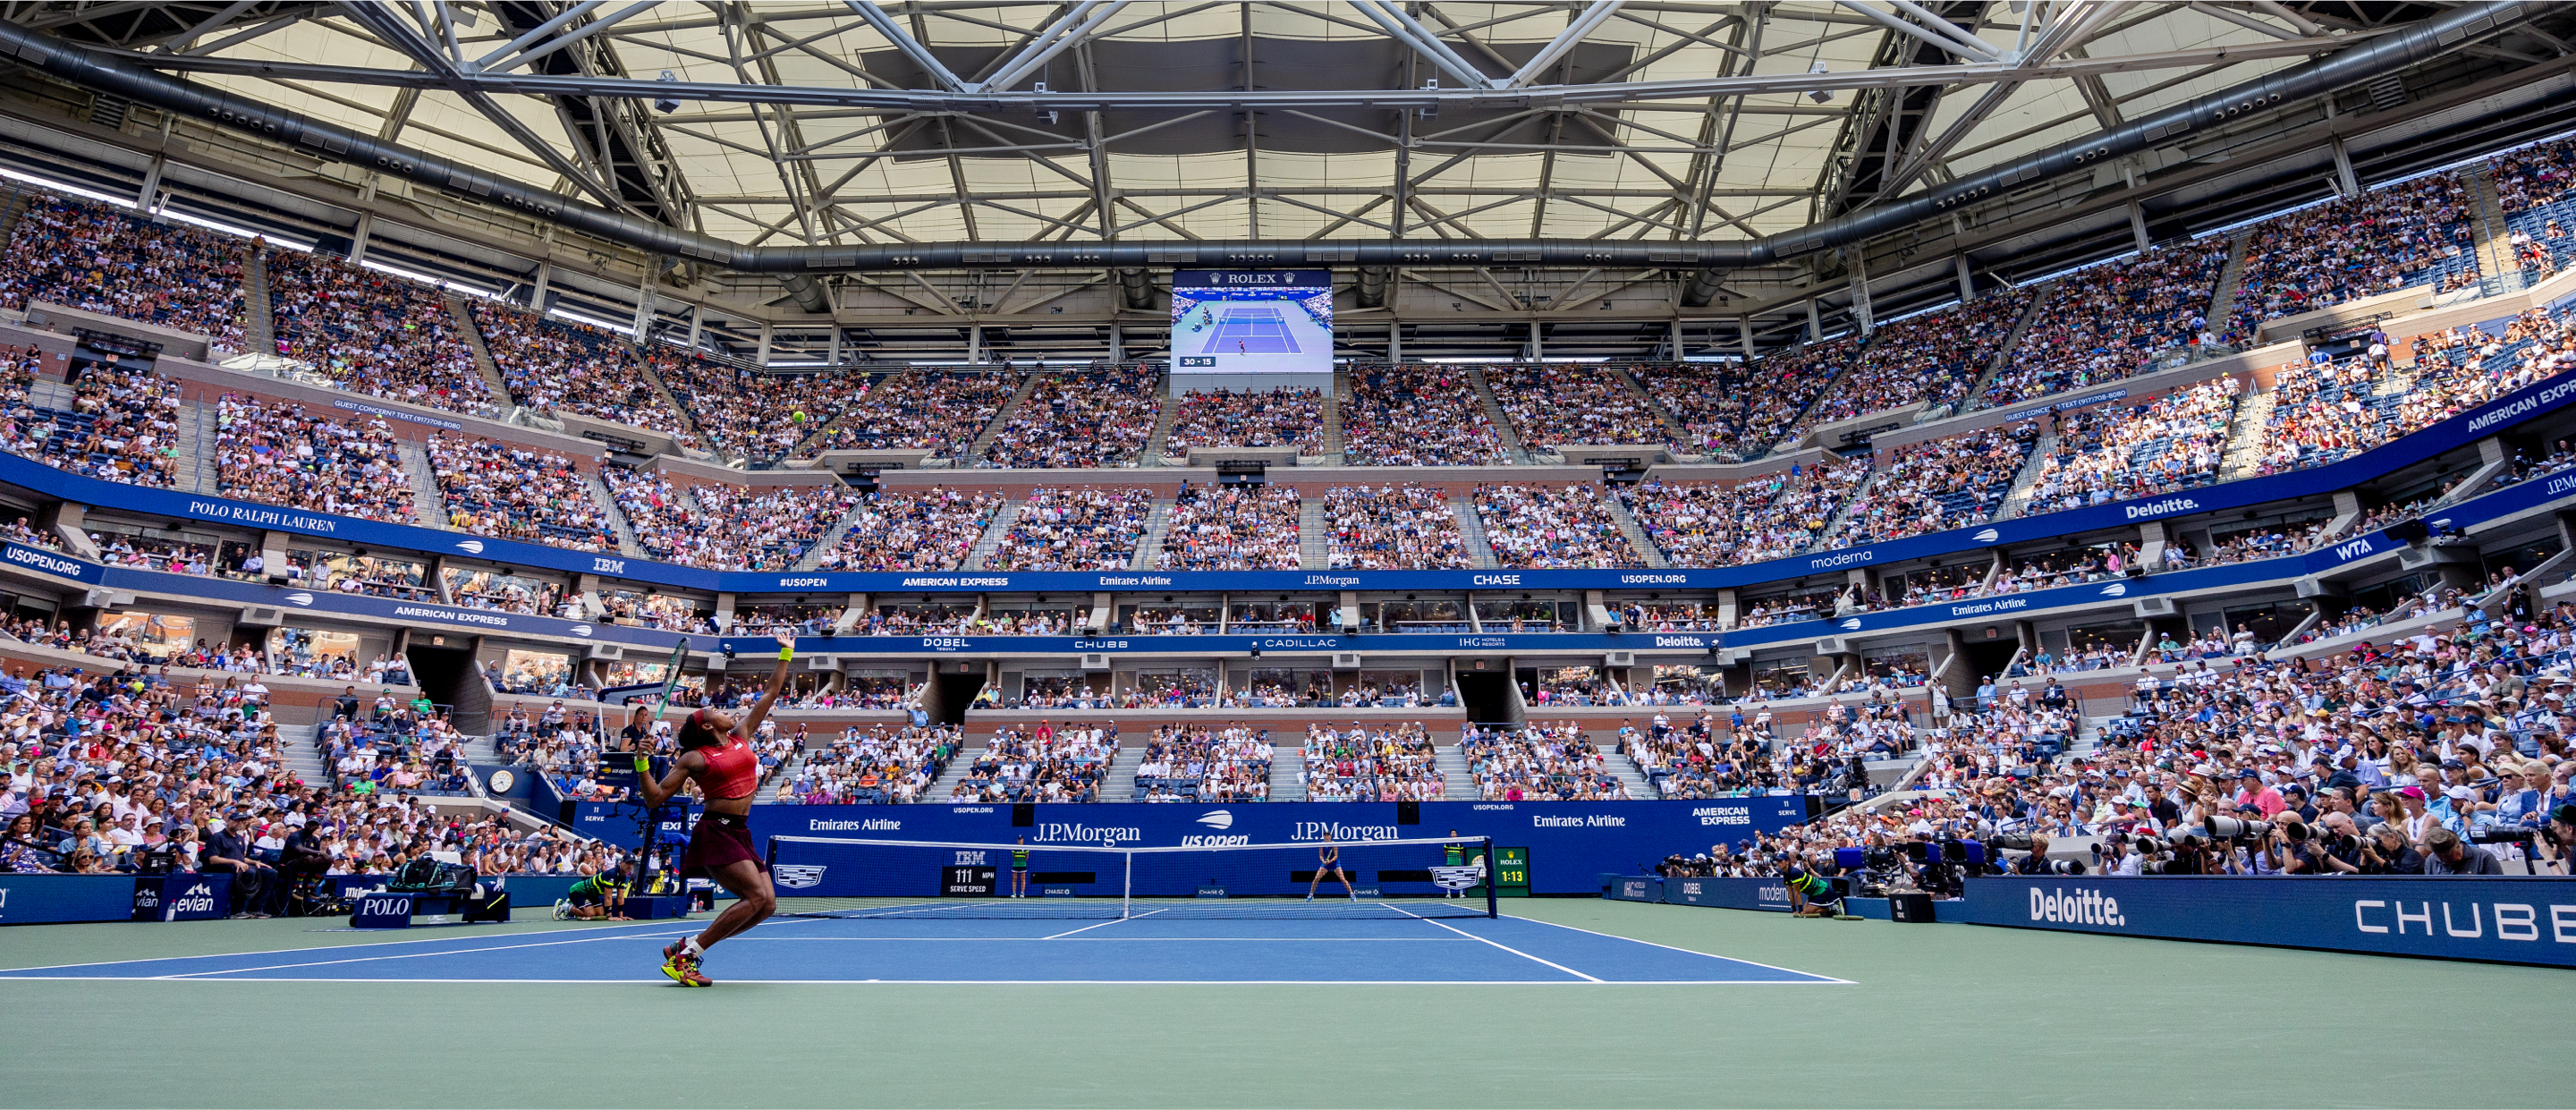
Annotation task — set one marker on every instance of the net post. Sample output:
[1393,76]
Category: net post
[769,855]
[1493,878]
[1127,884]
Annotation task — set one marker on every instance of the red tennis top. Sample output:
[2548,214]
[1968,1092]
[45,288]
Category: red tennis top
[732,770]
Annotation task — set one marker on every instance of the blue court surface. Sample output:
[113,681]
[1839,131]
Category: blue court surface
[1256,329]
[1508,950]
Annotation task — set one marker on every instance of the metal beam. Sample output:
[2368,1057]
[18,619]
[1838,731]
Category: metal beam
[1405,29]
[1564,41]
[911,47]
[1927,34]
[560,41]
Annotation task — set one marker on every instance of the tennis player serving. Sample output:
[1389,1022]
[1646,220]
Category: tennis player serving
[715,750]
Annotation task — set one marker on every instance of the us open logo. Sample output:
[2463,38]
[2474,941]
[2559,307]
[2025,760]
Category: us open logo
[799,876]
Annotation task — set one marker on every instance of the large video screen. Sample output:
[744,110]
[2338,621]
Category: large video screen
[1252,321]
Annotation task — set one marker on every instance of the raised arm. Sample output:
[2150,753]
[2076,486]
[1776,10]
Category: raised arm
[777,681]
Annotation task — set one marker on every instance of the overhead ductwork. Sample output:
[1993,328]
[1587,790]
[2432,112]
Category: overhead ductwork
[2380,55]
[1371,292]
[808,292]
[1135,288]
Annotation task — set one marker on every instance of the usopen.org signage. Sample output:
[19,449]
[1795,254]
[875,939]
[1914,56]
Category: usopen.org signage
[51,562]
[1571,844]
[2511,919]
[2488,419]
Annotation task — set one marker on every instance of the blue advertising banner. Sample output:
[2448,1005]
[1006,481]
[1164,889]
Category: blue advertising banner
[33,899]
[381,911]
[2467,427]
[1571,844]
[2514,919]
[52,562]
[186,896]
[1633,888]
[1730,894]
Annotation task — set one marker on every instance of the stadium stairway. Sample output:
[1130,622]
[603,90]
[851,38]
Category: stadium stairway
[1471,528]
[1652,555]
[1457,783]
[1494,412]
[1158,520]
[616,518]
[1639,786]
[1673,432]
[958,765]
[688,423]
[2029,476]
[197,463]
[2004,350]
[831,536]
[301,756]
[259,324]
[1119,785]
[1162,433]
[1286,765]
[1314,535]
[482,354]
[2239,458]
[424,485]
[1001,419]
[2231,278]
[1333,442]
[2486,223]
[20,195]
[993,533]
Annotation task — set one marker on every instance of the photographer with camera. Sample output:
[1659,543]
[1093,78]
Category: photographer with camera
[2386,852]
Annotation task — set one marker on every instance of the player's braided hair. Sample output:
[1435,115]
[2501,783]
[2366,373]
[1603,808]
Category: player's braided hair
[697,732]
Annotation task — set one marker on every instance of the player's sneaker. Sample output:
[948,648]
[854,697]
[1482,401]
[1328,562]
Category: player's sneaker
[683,967]
[563,909]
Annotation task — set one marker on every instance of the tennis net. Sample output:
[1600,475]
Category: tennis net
[1430,877]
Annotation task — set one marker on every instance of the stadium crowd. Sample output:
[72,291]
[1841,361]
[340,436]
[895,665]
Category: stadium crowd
[1768,517]
[123,425]
[1554,405]
[374,333]
[495,489]
[563,366]
[83,254]
[1539,762]
[1231,528]
[1203,763]
[872,764]
[1417,416]
[1393,527]
[1041,764]
[1080,419]
[1554,527]
[1931,357]
[1285,417]
[2109,454]
[911,529]
[1073,529]
[277,453]
[941,411]
[747,414]
[1935,484]
[1361,764]
[2107,322]
[2381,241]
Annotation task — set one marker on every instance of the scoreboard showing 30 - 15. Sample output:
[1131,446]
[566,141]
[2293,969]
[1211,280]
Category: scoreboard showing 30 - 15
[1252,322]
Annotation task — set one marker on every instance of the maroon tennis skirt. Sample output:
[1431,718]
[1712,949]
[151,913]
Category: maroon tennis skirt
[720,839]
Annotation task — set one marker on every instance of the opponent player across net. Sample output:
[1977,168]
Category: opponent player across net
[1384,878]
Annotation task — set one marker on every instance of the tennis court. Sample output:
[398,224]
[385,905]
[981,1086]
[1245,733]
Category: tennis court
[1257,327]
[554,1013]
[913,942]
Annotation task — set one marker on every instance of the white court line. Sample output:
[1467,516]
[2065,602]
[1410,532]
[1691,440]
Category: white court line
[1823,979]
[1143,940]
[416,955]
[1498,944]
[592,929]
[968,982]
[1104,924]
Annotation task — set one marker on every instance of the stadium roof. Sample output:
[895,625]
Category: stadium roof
[878,128]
